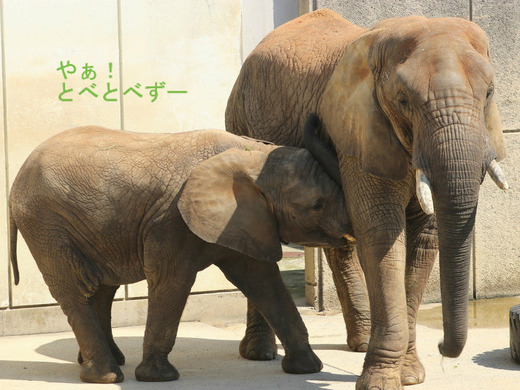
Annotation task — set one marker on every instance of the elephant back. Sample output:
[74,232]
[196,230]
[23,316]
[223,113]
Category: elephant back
[284,77]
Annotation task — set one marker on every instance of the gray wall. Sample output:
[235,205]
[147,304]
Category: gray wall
[496,260]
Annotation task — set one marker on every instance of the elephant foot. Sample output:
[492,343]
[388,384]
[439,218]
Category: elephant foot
[301,362]
[412,372]
[118,356]
[94,372]
[258,346]
[358,330]
[380,379]
[358,342]
[156,370]
[116,353]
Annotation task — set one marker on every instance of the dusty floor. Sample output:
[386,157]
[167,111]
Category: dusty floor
[207,357]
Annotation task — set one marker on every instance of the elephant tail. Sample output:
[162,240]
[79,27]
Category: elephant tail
[13,237]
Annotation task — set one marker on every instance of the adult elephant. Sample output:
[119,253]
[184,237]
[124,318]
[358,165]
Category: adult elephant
[408,106]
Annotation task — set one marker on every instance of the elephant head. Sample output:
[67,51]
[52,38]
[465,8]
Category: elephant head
[417,93]
[249,201]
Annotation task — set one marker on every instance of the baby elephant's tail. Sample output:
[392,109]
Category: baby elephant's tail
[13,233]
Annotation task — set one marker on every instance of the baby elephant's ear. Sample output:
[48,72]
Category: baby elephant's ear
[221,204]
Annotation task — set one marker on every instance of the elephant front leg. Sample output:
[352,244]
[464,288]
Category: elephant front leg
[384,266]
[167,296]
[377,208]
[262,283]
[259,341]
[352,293]
[421,252]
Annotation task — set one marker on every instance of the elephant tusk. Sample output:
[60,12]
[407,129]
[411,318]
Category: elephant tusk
[497,175]
[424,192]
[349,237]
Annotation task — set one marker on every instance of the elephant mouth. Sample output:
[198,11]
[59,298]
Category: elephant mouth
[424,192]
[339,242]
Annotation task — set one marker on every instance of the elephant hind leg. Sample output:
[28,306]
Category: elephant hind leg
[352,293]
[73,281]
[102,300]
[99,365]
[259,341]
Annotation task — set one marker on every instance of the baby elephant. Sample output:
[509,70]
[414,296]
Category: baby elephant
[99,208]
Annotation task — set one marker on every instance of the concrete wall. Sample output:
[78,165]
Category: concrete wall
[496,259]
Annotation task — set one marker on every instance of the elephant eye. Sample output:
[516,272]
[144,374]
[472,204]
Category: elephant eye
[318,205]
[403,101]
[490,91]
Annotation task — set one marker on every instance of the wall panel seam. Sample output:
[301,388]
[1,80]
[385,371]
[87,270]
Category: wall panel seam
[121,94]
[120,63]
[6,161]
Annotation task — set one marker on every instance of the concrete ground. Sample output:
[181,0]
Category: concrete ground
[207,358]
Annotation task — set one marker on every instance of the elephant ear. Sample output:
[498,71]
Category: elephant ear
[494,127]
[353,118]
[221,204]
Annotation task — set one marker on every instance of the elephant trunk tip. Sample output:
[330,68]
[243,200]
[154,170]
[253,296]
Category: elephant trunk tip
[452,350]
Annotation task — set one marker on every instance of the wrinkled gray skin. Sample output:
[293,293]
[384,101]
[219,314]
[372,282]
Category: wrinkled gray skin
[408,95]
[100,208]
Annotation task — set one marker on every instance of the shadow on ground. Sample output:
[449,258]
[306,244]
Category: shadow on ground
[202,363]
[499,359]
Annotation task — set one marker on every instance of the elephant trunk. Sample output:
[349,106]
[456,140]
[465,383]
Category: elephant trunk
[455,169]
[455,226]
